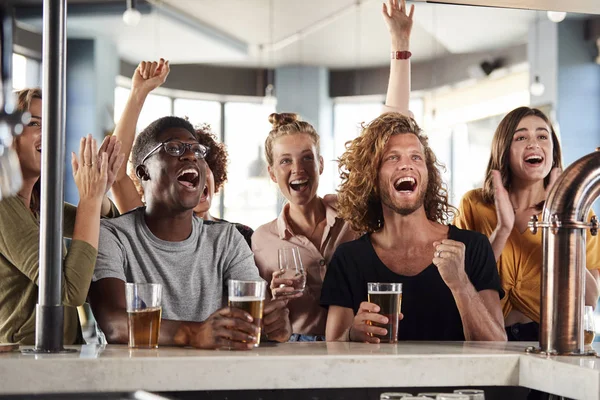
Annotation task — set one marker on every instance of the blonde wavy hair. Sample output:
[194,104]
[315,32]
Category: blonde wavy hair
[359,200]
[288,124]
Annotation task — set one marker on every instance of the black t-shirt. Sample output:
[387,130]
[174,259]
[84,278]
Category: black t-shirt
[430,312]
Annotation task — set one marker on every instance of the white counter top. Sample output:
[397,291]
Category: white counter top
[300,365]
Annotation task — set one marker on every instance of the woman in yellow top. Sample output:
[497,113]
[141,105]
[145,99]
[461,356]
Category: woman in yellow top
[524,163]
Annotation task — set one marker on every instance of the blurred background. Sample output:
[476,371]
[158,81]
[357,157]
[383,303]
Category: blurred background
[236,61]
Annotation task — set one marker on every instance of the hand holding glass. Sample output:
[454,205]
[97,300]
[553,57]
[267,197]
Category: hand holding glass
[249,296]
[291,268]
[388,296]
[143,314]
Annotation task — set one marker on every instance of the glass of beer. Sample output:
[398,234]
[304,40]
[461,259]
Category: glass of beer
[249,296]
[588,325]
[291,266]
[388,296]
[143,314]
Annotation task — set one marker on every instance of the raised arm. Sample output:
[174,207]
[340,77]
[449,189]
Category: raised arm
[19,238]
[147,77]
[480,311]
[400,25]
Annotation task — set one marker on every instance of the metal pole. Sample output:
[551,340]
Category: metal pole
[49,318]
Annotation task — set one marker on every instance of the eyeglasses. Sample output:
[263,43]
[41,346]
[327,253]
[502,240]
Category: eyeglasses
[176,148]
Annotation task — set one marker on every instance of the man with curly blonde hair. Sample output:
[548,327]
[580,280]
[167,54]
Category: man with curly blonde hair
[392,190]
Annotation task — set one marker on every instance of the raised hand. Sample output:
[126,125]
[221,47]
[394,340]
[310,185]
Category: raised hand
[449,258]
[90,171]
[149,75]
[112,147]
[226,328]
[399,23]
[362,329]
[504,208]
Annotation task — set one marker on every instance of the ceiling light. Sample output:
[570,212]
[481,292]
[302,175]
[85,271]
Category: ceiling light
[537,88]
[131,16]
[556,16]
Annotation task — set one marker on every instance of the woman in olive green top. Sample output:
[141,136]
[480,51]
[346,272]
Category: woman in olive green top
[19,228]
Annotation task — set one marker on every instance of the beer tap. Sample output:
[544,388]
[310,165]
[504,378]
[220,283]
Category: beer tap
[564,225]
[11,121]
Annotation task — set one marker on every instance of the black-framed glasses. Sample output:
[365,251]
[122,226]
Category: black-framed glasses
[176,148]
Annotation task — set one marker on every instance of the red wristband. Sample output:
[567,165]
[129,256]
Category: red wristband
[401,55]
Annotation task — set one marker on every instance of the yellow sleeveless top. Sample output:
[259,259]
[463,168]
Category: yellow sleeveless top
[520,264]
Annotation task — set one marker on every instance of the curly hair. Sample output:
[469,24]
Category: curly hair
[503,138]
[359,200]
[217,157]
[148,138]
[288,124]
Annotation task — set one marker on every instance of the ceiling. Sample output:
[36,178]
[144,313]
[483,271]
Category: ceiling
[332,33]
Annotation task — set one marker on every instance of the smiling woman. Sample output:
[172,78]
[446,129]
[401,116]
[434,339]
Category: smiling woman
[524,163]
[93,173]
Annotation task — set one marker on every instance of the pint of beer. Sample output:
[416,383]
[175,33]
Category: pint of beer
[248,296]
[388,296]
[143,314]
[589,331]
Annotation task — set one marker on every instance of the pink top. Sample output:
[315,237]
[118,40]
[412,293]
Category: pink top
[306,315]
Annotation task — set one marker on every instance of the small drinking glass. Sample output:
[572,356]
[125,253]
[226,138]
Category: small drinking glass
[248,296]
[589,331]
[291,266]
[388,296]
[474,394]
[452,396]
[430,395]
[143,314]
[394,395]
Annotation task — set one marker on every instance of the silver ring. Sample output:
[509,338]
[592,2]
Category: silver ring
[88,165]
[438,254]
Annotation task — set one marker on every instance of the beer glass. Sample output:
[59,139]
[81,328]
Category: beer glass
[143,314]
[588,325]
[291,266]
[388,296]
[394,395]
[248,296]
[474,394]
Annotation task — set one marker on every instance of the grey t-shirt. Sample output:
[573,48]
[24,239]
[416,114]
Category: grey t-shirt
[194,272]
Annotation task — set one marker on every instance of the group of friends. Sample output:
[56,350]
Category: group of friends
[471,273]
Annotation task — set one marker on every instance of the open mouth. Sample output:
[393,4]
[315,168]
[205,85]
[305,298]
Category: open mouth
[189,178]
[204,195]
[406,184]
[38,148]
[299,184]
[534,159]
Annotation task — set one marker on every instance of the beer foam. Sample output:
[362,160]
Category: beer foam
[385,292]
[245,298]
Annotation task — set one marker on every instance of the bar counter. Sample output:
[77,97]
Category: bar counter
[299,365]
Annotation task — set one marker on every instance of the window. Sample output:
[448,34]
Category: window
[250,196]
[26,72]
[200,112]
[155,107]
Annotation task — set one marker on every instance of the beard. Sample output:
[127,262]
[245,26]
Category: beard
[402,209]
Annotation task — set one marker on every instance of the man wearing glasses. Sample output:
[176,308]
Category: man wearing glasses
[164,242]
